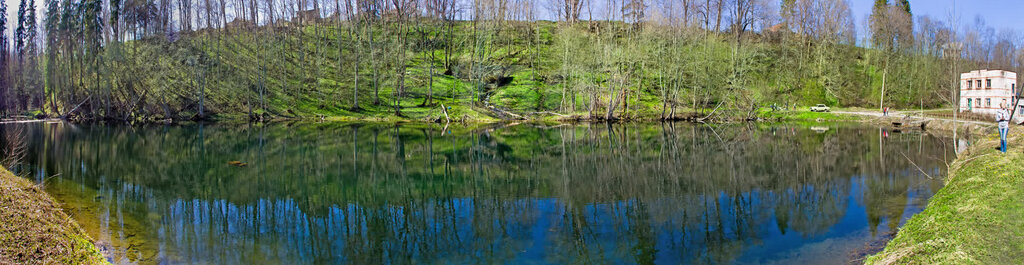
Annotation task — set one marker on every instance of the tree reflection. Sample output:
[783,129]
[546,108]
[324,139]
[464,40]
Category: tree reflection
[369,193]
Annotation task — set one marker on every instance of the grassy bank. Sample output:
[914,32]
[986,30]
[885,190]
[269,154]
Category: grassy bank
[475,115]
[34,230]
[380,70]
[804,115]
[977,218]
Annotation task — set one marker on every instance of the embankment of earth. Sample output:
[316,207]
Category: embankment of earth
[977,218]
[34,229]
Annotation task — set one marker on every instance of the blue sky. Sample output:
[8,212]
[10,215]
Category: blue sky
[999,14]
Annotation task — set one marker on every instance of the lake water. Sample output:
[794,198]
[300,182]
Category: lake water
[525,194]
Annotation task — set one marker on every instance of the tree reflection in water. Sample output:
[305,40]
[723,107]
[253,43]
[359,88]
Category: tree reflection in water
[370,193]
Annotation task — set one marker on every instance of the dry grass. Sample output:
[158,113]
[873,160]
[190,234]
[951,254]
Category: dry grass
[34,230]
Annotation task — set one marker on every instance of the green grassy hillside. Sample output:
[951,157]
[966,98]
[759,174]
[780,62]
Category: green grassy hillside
[484,71]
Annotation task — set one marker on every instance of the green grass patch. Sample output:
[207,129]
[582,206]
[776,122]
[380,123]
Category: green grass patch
[804,115]
[977,218]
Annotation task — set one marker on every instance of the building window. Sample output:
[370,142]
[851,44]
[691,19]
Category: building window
[977,102]
[978,84]
[988,102]
[970,84]
[988,83]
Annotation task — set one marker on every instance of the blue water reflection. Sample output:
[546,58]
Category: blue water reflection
[525,194]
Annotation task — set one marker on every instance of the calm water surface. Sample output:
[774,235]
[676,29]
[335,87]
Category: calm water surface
[524,194]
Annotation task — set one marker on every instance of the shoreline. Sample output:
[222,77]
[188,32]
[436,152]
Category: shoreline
[482,117]
[977,216]
[34,229]
[81,242]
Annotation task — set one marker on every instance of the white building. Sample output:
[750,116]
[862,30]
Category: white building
[981,91]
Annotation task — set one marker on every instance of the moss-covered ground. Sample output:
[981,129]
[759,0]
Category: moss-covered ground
[34,229]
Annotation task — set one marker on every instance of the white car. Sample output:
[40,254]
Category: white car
[821,108]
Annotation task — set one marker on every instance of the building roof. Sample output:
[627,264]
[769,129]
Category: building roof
[989,73]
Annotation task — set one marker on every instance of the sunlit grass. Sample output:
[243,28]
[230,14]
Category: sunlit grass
[33,229]
[977,218]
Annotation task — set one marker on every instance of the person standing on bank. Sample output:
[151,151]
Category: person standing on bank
[1003,118]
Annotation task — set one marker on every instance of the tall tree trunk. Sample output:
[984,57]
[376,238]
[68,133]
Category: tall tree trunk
[885,73]
[373,60]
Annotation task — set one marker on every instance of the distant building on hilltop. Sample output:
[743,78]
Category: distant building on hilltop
[981,91]
[240,23]
[307,17]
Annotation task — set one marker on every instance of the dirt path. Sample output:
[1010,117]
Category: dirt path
[912,114]
[860,113]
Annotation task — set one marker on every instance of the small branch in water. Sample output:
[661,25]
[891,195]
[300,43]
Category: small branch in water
[47,179]
[446,118]
[547,112]
[915,165]
[66,115]
[941,160]
[712,112]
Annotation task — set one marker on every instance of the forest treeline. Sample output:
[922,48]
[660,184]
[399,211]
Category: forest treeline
[138,60]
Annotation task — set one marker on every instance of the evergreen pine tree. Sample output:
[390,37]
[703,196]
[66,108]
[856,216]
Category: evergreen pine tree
[30,70]
[19,32]
[4,84]
[51,25]
[905,5]
[31,31]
